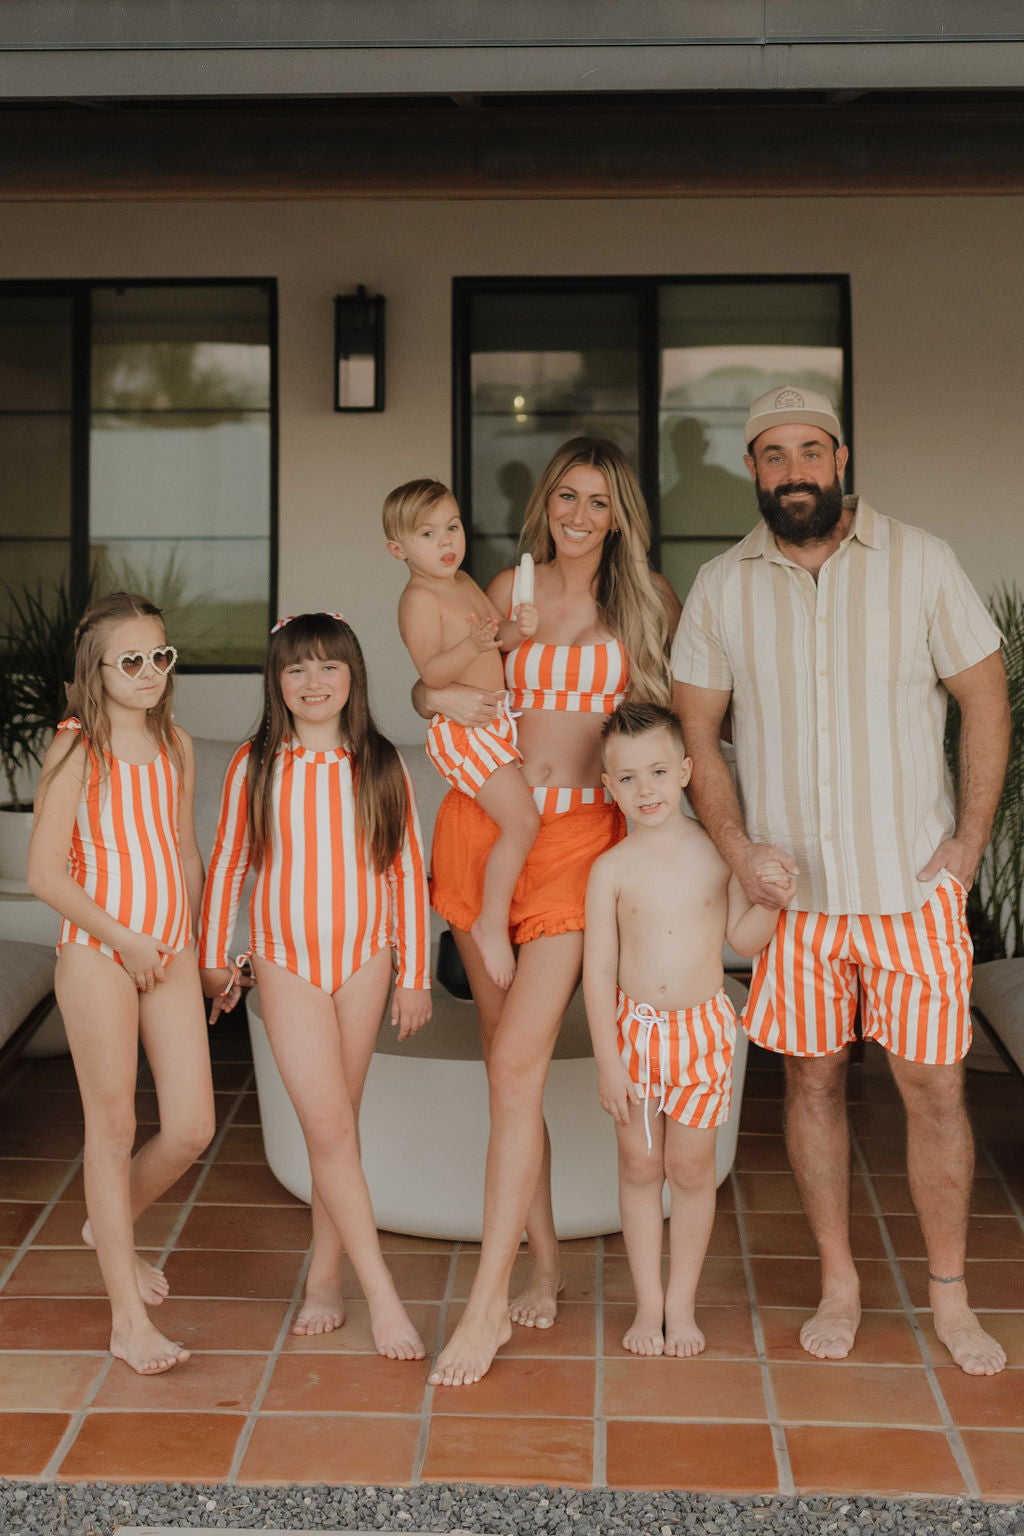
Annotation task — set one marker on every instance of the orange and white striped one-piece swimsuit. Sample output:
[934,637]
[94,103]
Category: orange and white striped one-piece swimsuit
[124,850]
[319,908]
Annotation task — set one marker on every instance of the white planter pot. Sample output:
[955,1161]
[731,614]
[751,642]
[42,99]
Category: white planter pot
[425,1123]
[15,831]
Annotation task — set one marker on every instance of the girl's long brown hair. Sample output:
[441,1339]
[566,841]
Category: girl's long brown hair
[85,691]
[382,801]
[627,599]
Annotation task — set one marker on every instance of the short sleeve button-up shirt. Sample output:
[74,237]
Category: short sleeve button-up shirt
[838,705]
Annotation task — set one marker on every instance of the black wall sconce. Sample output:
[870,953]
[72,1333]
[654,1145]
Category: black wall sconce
[359,352]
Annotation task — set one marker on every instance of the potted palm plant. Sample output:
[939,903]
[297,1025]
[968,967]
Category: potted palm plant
[995,904]
[35,664]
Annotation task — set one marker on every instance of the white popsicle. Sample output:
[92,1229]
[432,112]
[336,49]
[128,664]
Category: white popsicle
[525,582]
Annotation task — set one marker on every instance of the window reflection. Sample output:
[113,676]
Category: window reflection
[180,459]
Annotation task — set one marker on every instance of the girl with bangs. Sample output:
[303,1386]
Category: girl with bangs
[114,852]
[319,804]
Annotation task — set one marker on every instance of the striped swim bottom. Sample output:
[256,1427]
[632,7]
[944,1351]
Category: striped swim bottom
[680,1057]
[466,756]
[910,973]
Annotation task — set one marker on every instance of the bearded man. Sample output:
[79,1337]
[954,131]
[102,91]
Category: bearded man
[834,636]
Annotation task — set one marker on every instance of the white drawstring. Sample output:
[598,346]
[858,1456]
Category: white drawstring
[650,1020]
[511,715]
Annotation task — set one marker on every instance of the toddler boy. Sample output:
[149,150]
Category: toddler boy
[454,634]
[659,905]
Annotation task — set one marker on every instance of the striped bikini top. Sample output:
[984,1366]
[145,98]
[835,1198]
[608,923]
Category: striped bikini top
[591,679]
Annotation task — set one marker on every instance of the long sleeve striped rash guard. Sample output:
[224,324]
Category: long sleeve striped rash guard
[319,908]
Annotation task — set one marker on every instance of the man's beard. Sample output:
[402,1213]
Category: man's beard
[808,526]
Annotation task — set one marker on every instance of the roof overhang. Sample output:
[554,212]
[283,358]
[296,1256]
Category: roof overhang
[87,49]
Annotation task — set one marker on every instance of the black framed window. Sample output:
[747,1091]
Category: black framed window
[139,420]
[664,366]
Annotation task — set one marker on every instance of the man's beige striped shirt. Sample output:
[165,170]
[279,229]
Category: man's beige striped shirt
[838,707]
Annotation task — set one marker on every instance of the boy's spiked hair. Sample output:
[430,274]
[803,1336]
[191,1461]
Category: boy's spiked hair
[637,719]
[407,506]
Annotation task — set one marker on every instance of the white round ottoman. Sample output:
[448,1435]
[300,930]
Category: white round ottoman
[425,1122]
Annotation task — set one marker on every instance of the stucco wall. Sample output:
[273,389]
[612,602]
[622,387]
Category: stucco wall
[938,351]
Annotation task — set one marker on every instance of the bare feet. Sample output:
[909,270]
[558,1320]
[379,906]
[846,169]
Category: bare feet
[322,1311]
[152,1282]
[393,1333]
[974,1350]
[536,1306]
[683,1338]
[644,1335]
[830,1333]
[470,1351]
[146,1350]
[495,951]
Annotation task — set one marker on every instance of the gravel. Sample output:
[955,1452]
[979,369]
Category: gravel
[101,1509]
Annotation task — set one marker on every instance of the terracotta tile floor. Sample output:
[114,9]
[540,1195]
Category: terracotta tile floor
[257,1405]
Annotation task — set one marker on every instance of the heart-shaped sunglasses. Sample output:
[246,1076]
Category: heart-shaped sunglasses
[131,663]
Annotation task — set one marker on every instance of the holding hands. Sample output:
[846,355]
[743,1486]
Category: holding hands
[766,873]
[224,986]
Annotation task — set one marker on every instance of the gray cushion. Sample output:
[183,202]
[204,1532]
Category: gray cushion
[998,995]
[26,976]
[212,758]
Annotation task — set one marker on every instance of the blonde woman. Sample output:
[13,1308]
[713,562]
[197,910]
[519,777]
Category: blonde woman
[604,622]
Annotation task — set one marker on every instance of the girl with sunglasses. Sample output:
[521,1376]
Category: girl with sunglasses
[320,805]
[114,852]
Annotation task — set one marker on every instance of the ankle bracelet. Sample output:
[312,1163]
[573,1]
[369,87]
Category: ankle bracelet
[947,1279]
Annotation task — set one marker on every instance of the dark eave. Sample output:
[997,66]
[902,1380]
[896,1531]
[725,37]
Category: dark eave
[511,147]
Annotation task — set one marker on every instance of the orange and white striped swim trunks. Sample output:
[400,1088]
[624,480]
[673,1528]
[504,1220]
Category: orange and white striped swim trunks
[682,1057]
[466,756]
[910,971]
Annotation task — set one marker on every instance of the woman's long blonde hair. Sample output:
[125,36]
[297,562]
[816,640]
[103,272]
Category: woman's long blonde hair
[86,698]
[627,600]
[381,798]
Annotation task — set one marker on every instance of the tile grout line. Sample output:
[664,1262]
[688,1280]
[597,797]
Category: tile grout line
[274,1353]
[245,1434]
[780,1445]
[40,1221]
[79,1415]
[209,1158]
[427,1403]
[952,1434]
[1004,1185]
[599,1464]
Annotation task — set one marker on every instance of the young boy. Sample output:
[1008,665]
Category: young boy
[659,905]
[454,634]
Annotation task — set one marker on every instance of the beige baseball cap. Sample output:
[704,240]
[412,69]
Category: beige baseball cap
[789,404]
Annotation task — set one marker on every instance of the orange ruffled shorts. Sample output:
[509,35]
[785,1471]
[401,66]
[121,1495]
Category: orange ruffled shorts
[576,826]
